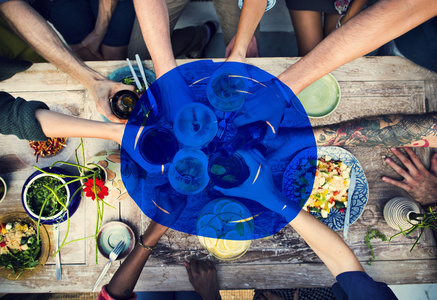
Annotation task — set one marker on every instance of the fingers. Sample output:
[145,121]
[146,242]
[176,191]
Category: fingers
[242,119]
[416,160]
[405,161]
[397,183]
[223,191]
[397,168]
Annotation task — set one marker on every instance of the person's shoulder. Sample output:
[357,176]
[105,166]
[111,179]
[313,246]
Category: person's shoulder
[359,285]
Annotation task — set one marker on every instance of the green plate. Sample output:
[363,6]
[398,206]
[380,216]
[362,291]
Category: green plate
[321,98]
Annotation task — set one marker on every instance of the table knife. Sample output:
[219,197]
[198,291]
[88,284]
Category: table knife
[349,203]
[58,255]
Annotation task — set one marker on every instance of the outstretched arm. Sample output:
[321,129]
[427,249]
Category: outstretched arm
[250,17]
[322,240]
[55,124]
[28,24]
[383,131]
[372,28]
[316,234]
[154,22]
[124,280]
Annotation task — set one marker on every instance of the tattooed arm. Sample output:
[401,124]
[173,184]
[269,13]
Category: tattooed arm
[387,131]
[381,131]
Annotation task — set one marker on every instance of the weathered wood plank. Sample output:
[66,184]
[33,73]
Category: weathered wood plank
[232,276]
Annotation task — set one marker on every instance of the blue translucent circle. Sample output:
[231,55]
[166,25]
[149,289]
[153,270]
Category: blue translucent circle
[195,214]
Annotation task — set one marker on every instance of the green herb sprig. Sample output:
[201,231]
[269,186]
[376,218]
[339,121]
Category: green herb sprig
[373,234]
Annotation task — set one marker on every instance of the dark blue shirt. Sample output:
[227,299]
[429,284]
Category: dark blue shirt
[360,286]
[420,44]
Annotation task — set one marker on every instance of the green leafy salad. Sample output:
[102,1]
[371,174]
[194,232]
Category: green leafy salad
[19,247]
[40,197]
[131,81]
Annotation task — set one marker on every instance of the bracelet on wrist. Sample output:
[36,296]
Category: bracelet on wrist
[151,248]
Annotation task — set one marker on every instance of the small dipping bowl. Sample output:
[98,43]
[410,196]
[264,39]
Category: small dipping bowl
[110,234]
[321,98]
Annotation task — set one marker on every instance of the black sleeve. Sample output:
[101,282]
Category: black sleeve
[17,117]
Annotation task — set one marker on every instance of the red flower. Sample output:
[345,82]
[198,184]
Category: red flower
[101,189]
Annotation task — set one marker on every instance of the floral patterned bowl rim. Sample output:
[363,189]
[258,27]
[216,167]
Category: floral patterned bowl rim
[335,219]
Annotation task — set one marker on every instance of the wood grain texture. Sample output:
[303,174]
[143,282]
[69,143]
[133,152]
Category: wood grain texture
[370,86]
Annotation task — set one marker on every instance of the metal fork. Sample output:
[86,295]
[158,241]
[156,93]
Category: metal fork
[112,256]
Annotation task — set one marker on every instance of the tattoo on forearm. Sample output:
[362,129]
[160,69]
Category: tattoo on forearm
[389,131]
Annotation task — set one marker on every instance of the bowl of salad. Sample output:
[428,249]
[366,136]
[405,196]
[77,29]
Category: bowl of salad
[39,199]
[24,248]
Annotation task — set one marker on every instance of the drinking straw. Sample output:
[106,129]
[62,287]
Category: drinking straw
[140,66]
[137,82]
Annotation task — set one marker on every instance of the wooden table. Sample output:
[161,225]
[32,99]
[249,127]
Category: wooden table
[369,86]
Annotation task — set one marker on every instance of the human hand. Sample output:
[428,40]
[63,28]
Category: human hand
[261,188]
[420,183]
[266,102]
[251,51]
[203,277]
[102,90]
[169,204]
[93,42]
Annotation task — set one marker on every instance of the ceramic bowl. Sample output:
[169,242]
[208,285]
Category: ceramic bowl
[45,246]
[111,234]
[72,202]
